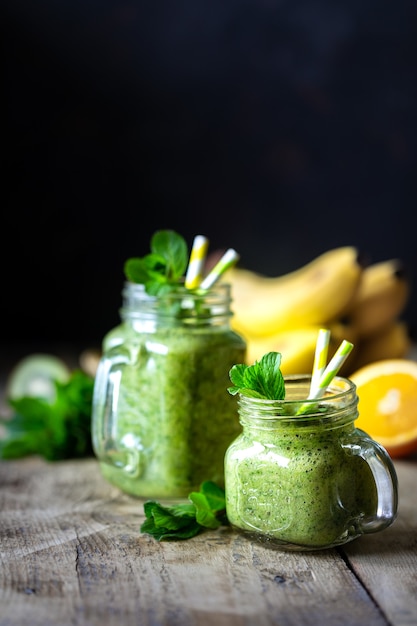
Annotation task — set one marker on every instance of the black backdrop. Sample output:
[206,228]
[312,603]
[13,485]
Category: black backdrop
[281,128]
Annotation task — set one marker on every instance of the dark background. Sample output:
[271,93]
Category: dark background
[279,128]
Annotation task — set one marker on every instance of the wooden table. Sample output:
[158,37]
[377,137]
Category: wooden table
[72,554]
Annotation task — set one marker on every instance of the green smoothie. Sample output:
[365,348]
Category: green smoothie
[298,485]
[171,419]
[161,417]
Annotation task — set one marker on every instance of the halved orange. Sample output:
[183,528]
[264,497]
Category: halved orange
[387,392]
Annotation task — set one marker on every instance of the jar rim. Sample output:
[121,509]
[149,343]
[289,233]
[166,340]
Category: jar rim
[337,406]
[180,289]
[339,387]
[179,306]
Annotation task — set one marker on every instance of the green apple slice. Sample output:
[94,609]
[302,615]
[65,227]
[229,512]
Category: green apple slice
[34,376]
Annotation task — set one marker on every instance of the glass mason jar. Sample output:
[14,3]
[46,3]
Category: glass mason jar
[162,418]
[312,480]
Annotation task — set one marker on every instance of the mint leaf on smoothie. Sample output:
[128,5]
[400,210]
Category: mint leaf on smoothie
[162,269]
[207,509]
[263,379]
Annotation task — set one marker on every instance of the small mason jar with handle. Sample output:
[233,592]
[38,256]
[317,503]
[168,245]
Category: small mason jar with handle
[302,476]
[161,420]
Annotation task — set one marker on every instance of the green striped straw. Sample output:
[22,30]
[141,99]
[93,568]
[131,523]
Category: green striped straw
[320,358]
[329,373]
[194,273]
[229,258]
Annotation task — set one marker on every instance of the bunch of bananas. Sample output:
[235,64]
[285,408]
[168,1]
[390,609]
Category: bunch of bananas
[362,304]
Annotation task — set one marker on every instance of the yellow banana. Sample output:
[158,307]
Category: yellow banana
[297,347]
[392,342]
[312,295]
[381,296]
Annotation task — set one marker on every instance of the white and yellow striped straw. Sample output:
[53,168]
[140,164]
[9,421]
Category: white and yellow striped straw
[229,258]
[329,373]
[320,358]
[194,273]
[332,369]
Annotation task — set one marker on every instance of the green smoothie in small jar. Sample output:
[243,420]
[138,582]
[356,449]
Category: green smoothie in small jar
[300,475]
[161,421]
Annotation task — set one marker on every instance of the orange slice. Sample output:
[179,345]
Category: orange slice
[387,392]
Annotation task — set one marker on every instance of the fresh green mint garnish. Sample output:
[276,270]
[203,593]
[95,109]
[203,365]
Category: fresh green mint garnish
[207,509]
[263,379]
[161,270]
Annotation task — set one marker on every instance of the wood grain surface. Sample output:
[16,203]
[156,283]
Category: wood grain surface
[72,554]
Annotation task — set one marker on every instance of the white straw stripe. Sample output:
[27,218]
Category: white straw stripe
[329,373]
[320,358]
[229,258]
[196,262]
[332,368]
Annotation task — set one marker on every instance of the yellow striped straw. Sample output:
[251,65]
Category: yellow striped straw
[332,369]
[326,378]
[194,273]
[320,357]
[229,258]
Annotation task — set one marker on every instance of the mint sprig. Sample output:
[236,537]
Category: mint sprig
[206,509]
[162,269]
[263,379]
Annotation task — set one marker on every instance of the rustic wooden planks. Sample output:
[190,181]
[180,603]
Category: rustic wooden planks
[386,563]
[72,554]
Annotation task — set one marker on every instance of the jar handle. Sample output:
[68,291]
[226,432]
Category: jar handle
[121,452]
[385,478]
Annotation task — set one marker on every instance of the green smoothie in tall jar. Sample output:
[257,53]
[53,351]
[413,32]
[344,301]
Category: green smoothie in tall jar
[161,418]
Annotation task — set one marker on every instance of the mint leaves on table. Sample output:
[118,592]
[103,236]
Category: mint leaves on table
[161,270]
[263,379]
[207,509]
[54,429]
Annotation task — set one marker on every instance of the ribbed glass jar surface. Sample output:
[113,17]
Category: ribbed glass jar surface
[162,417]
[300,475]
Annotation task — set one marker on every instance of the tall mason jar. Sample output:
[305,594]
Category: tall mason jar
[302,476]
[162,418]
